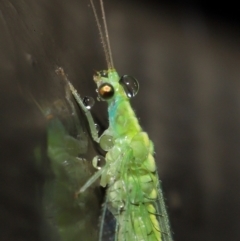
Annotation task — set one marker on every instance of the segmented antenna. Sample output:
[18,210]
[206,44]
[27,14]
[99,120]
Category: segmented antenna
[105,40]
[106,32]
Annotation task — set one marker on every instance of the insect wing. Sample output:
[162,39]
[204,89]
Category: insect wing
[107,225]
[163,216]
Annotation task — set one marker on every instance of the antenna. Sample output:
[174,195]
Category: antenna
[106,32]
[105,40]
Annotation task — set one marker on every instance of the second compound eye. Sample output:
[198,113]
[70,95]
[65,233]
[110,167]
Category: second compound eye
[106,91]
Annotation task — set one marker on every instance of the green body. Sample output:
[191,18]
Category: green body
[130,170]
[134,195]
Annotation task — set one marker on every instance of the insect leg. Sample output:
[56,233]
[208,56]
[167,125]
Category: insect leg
[78,99]
[88,114]
[91,180]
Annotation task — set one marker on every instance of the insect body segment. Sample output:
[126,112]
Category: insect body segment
[130,168]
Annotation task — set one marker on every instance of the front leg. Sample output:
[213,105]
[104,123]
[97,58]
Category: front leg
[92,126]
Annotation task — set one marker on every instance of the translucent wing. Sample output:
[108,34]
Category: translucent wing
[107,225]
[163,215]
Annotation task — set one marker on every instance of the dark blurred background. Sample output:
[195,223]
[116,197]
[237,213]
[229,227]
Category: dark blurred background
[186,57]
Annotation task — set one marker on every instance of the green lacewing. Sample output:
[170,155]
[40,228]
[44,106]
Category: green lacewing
[134,195]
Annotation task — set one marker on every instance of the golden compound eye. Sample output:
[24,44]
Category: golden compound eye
[106,91]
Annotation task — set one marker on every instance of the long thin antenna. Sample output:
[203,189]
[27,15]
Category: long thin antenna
[106,32]
[105,41]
